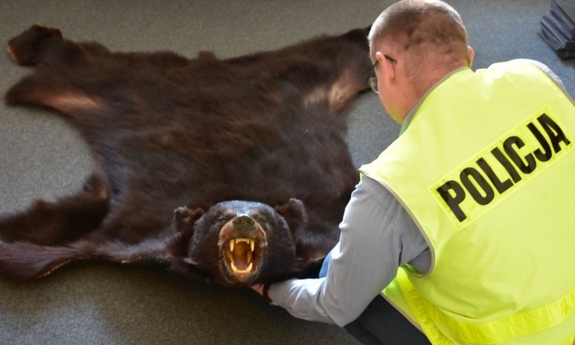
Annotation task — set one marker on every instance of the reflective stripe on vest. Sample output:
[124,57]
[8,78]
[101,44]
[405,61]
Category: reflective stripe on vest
[496,331]
[480,148]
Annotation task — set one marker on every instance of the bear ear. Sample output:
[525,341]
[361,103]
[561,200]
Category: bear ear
[184,218]
[177,248]
[294,214]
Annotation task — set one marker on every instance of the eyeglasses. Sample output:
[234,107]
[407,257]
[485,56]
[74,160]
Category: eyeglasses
[372,80]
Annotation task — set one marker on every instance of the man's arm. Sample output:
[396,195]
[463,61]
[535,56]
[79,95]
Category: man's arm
[377,236]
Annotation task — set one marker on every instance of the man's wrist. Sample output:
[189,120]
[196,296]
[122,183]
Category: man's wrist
[265,293]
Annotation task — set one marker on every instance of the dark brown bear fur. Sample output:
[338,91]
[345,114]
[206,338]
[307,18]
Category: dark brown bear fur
[195,158]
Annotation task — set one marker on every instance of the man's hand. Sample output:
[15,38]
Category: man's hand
[259,288]
[262,290]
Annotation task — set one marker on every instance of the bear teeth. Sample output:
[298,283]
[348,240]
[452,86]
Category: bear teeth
[233,243]
[239,271]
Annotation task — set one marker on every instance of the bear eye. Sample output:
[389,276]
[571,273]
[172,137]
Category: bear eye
[262,220]
[224,218]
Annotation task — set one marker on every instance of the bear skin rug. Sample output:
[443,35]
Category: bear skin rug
[233,171]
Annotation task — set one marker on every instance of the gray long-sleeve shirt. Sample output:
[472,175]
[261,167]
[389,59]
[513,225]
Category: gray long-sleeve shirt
[377,236]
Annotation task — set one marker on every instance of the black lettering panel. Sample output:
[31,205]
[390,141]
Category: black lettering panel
[481,198]
[453,194]
[529,164]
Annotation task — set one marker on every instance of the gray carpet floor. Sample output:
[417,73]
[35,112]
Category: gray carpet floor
[42,156]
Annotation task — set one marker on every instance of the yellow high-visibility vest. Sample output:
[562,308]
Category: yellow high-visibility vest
[486,169]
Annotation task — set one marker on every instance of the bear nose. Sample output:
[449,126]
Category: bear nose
[244,223]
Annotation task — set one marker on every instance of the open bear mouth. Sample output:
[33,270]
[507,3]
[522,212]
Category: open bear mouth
[242,246]
[242,256]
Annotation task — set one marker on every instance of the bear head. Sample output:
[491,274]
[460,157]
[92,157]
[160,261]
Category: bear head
[241,243]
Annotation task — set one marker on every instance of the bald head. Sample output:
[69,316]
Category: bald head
[428,35]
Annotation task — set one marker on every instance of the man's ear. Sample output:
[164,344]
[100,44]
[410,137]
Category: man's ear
[294,214]
[388,67]
[470,56]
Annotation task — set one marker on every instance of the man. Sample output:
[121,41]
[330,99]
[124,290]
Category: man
[474,201]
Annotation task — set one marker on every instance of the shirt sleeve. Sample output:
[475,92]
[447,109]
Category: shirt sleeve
[376,237]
